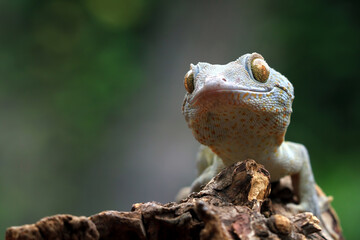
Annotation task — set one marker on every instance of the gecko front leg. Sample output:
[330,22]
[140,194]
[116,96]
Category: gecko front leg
[303,182]
[208,165]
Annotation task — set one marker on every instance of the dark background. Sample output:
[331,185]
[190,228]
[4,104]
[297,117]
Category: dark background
[91,94]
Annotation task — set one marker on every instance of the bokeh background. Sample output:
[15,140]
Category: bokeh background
[91,94]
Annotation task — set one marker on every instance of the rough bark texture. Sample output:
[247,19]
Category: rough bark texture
[236,204]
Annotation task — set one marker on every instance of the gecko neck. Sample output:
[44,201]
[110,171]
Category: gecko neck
[261,149]
[238,135]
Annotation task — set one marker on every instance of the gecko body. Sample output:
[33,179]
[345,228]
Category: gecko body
[242,110]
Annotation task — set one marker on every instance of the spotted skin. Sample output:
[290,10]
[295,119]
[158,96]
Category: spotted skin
[236,117]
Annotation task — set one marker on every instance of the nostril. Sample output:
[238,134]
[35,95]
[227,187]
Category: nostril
[223,79]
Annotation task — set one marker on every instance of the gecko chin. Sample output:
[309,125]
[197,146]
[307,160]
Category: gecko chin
[215,115]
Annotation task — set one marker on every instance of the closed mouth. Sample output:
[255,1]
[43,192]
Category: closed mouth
[207,93]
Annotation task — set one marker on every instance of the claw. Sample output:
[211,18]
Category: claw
[325,203]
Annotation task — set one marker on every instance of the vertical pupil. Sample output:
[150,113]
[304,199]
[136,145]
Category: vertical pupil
[189,82]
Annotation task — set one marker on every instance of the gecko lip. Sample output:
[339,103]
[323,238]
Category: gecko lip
[210,92]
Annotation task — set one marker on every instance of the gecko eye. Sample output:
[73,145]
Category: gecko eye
[260,69]
[189,81]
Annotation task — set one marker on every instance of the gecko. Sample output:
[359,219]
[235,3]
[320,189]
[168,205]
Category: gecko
[242,110]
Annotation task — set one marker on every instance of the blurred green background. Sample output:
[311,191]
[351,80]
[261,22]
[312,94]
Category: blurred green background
[91,92]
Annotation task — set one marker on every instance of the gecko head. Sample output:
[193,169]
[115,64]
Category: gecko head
[243,91]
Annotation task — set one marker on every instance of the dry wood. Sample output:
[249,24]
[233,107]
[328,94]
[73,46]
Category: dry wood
[236,204]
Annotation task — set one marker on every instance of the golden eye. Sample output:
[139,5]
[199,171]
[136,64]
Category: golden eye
[189,81]
[260,69]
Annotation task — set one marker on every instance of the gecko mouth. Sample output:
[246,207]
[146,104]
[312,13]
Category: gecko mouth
[240,92]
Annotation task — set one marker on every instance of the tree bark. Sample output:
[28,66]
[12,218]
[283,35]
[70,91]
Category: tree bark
[236,204]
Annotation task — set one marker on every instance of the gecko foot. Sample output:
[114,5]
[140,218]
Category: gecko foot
[303,207]
[325,203]
[183,193]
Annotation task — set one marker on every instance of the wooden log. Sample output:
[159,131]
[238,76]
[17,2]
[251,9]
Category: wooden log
[236,204]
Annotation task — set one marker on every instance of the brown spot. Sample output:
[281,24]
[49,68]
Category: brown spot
[281,138]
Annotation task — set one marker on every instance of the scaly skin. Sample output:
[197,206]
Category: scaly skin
[236,117]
